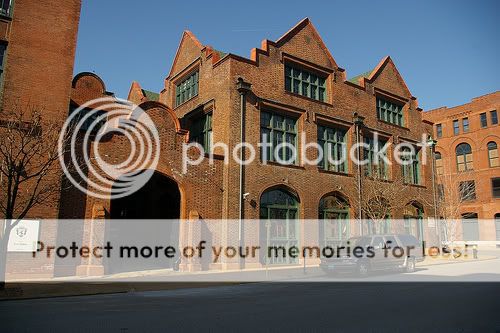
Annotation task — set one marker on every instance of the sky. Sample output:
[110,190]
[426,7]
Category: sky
[447,51]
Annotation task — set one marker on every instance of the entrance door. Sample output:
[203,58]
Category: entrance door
[148,217]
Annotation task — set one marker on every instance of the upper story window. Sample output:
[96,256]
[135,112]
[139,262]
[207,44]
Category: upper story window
[201,131]
[439,163]
[390,112]
[375,168]
[493,154]
[5,7]
[456,127]
[467,190]
[494,117]
[186,89]
[305,83]
[3,50]
[465,124]
[484,121]
[278,138]
[439,130]
[333,143]
[495,187]
[411,166]
[464,157]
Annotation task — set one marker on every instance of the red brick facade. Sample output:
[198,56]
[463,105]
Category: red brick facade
[211,191]
[478,136]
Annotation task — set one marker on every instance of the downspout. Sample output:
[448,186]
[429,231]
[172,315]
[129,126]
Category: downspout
[243,88]
[358,123]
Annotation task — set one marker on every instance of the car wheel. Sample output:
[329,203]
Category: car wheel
[363,269]
[410,265]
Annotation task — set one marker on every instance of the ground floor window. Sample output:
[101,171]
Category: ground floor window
[413,216]
[279,210]
[334,220]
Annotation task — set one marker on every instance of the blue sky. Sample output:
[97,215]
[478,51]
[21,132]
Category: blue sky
[447,51]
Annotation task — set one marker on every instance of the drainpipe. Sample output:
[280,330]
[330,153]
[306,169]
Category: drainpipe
[358,124]
[432,143]
[243,88]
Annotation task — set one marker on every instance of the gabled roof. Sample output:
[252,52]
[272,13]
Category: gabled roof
[382,65]
[356,78]
[185,36]
[299,27]
[151,96]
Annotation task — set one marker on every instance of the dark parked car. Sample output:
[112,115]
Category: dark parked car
[373,253]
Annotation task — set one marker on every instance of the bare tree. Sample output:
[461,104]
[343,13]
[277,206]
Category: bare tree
[454,191]
[29,172]
[380,196]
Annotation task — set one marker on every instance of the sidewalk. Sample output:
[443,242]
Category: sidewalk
[169,279]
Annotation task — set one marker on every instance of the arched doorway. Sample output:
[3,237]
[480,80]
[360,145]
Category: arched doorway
[333,214]
[279,211]
[413,216]
[146,218]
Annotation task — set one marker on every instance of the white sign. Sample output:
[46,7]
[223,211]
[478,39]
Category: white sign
[24,236]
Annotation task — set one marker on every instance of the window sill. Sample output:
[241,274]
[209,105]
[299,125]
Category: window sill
[331,172]
[183,103]
[416,185]
[307,98]
[293,166]
[392,124]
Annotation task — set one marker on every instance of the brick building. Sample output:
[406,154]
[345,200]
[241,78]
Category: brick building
[37,52]
[286,87]
[468,136]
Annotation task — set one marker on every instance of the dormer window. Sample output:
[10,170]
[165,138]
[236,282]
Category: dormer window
[390,112]
[305,83]
[186,89]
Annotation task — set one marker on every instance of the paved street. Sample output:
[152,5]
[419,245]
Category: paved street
[333,306]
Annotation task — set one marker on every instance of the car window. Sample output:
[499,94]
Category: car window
[391,241]
[378,241]
[408,240]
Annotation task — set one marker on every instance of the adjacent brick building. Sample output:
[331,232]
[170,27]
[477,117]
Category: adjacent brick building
[37,52]
[468,137]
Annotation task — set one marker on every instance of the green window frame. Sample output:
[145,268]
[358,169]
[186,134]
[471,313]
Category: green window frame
[279,213]
[6,7]
[413,221]
[201,131]
[380,170]
[411,170]
[333,142]
[305,83]
[276,129]
[186,89]
[334,220]
[390,112]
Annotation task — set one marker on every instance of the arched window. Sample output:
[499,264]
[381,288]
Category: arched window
[439,163]
[493,154]
[413,215]
[334,215]
[279,210]
[464,157]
